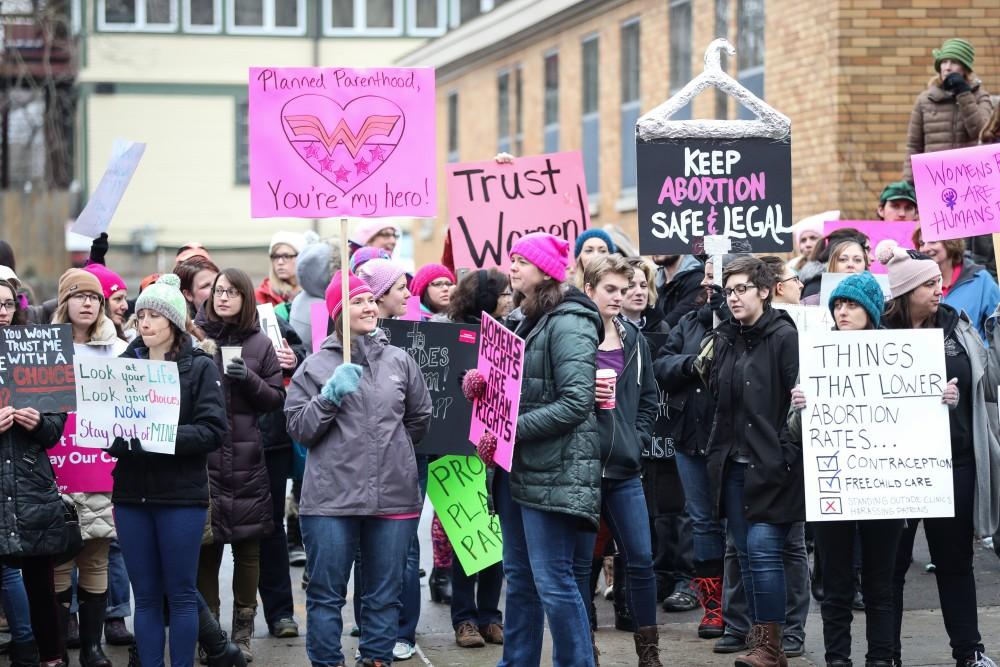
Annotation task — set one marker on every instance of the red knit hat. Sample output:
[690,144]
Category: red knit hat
[110,281]
[334,297]
[549,253]
[428,274]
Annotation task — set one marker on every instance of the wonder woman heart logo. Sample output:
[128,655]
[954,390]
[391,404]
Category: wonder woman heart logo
[343,144]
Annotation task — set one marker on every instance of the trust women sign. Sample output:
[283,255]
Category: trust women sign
[331,142]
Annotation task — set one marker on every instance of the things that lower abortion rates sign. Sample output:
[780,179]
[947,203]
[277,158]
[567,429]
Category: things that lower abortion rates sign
[875,436]
[127,398]
[501,361]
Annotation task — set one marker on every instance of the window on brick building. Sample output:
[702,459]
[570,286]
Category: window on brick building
[680,51]
[271,17]
[722,30]
[503,112]
[630,100]
[242,142]
[550,120]
[518,110]
[453,126]
[750,49]
[426,17]
[591,116]
[137,15]
[366,17]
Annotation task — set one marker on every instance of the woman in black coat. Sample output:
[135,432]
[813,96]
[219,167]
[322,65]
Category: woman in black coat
[32,529]
[753,464]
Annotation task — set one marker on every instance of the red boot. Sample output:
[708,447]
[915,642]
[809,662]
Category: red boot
[709,591]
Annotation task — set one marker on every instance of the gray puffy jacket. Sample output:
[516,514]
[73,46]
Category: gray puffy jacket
[361,460]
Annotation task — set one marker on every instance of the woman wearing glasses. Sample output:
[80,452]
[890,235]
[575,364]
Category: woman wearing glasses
[81,305]
[281,284]
[754,466]
[241,499]
[432,285]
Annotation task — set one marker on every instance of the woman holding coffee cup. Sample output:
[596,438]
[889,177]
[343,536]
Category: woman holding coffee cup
[626,398]
[241,498]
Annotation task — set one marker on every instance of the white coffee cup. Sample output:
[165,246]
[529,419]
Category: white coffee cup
[229,352]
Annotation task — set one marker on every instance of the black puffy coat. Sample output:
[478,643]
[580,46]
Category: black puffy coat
[180,478]
[752,416]
[683,293]
[31,512]
[241,495]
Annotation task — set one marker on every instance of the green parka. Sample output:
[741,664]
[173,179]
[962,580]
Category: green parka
[557,455]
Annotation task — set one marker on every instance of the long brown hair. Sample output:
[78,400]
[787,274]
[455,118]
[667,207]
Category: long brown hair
[897,315]
[473,295]
[543,300]
[18,316]
[247,318]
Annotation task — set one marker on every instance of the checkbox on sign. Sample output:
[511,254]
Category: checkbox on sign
[829,484]
[830,506]
[827,463]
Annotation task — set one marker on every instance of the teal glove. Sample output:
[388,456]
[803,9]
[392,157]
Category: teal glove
[345,379]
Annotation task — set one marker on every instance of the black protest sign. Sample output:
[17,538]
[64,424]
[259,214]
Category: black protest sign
[36,368]
[691,188]
[661,445]
[442,350]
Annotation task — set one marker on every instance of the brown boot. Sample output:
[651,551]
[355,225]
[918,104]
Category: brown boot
[243,630]
[647,646]
[764,642]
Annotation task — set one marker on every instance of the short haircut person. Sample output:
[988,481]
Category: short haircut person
[757,272]
[776,264]
[606,265]
[247,317]
[640,265]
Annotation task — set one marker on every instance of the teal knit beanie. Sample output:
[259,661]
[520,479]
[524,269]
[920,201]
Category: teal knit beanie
[864,290]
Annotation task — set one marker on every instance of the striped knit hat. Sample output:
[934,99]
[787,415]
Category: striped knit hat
[955,49]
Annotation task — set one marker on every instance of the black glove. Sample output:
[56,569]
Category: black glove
[120,447]
[956,84]
[237,369]
[716,300]
[688,367]
[99,248]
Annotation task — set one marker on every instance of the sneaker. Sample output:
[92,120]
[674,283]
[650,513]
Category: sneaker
[284,628]
[492,633]
[403,651]
[296,556]
[730,643]
[116,633]
[977,659]
[467,635]
[680,601]
[792,647]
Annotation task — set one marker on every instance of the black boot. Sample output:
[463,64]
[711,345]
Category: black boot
[220,651]
[623,616]
[440,585]
[63,600]
[92,609]
[24,654]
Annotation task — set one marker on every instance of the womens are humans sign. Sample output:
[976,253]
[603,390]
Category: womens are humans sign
[958,192]
[691,188]
[875,436]
[127,398]
[330,142]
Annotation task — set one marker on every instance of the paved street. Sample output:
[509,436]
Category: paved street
[924,639]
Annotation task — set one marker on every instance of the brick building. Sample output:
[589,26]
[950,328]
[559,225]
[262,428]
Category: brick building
[535,76]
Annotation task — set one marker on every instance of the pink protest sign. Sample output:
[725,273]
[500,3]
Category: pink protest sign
[491,205]
[331,141]
[958,192]
[501,360]
[876,230]
[319,318]
[80,469]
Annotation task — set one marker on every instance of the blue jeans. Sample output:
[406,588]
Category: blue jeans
[15,605]
[709,533]
[539,551]
[161,545]
[623,506]
[759,547]
[480,603]
[409,598]
[331,543]
[119,597]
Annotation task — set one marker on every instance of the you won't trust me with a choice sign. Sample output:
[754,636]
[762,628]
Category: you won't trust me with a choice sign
[708,184]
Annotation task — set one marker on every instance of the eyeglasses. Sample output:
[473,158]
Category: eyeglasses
[738,290]
[8,305]
[795,278]
[84,297]
[441,283]
[278,257]
[388,233]
[231,293]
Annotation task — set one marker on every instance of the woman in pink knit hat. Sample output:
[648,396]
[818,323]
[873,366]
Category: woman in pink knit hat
[432,285]
[549,503]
